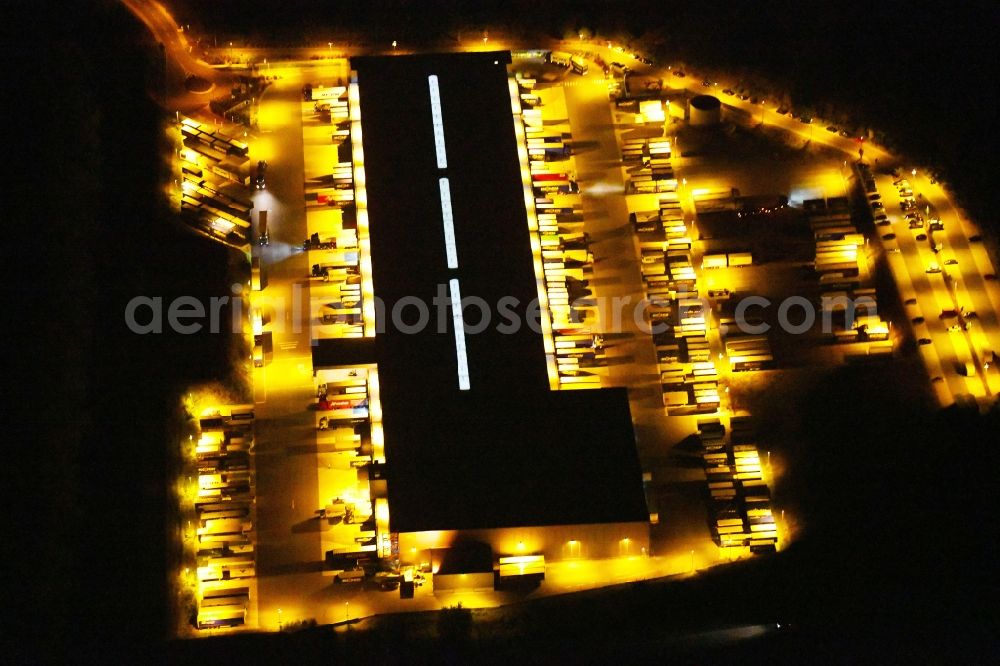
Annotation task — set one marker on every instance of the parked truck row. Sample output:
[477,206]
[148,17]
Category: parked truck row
[333,247]
[740,513]
[678,319]
[212,164]
[578,64]
[567,261]
[848,308]
[223,517]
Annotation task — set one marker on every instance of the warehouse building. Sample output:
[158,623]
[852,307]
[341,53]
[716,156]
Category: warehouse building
[478,448]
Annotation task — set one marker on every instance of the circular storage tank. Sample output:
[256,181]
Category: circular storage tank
[705,111]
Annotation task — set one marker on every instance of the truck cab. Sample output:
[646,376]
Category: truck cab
[259,182]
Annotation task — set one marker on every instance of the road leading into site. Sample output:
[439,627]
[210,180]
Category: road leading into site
[166,31]
[971,290]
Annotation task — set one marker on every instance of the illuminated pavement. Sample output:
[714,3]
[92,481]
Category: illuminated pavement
[290,538]
[334,603]
[965,286]
[286,460]
[630,353]
[956,286]
[972,291]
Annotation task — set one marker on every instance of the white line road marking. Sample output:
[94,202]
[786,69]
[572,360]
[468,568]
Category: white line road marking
[438,122]
[449,223]
[459,323]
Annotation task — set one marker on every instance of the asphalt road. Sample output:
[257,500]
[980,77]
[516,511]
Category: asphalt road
[289,554]
[938,292]
[166,31]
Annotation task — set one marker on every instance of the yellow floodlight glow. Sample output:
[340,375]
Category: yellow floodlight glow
[652,111]
[515,97]
[374,396]
[361,207]
[521,559]
[378,442]
[520,565]
[532,221]
[536,244]
[382,512]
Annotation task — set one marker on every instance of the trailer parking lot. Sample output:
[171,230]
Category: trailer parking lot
[681,225]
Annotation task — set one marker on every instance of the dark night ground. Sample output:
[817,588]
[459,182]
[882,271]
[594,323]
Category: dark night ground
[92,402]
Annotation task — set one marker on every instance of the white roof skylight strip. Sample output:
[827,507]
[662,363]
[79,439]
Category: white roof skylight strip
[449,223]
[442,159]
[459,323]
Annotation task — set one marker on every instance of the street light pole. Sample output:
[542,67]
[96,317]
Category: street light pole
[347,611]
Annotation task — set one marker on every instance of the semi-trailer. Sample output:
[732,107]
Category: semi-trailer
[740,258]
[714,261]
[561,58]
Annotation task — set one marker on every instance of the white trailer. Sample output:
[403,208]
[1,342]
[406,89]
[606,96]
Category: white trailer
[740,258]
[714,261]
[561,58]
